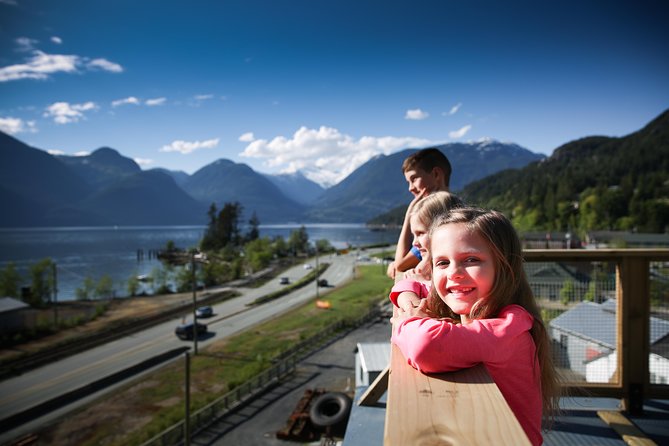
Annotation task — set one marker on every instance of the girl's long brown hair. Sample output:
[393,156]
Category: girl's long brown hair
[509,287]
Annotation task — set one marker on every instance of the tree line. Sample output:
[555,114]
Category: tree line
[229,251]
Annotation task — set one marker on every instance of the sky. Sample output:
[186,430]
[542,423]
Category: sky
[321,86]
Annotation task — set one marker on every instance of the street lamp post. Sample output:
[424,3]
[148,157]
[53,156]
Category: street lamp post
[317,274]
[192,268]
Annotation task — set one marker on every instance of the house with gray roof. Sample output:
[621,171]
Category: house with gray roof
[586,340]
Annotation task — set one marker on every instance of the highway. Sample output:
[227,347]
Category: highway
[34,388]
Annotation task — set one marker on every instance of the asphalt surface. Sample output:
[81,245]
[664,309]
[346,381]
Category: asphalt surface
[331,368]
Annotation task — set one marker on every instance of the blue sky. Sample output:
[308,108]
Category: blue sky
[323,85]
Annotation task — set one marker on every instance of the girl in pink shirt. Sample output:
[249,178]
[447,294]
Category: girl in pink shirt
[480,309]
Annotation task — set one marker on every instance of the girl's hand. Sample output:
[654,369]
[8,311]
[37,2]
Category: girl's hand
[407,312]
[408,300]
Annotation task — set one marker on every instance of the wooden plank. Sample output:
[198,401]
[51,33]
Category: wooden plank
[630,434]
[375,390]
[456,408]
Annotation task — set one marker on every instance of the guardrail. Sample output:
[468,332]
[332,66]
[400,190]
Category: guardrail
[433,409]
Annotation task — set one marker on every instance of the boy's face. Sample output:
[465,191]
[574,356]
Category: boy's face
[421,181]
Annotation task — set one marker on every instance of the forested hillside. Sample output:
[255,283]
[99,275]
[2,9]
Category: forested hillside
[588,184]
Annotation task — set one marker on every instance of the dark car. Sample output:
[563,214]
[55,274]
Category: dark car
[204,312]
[284,281]
[323,283]
[185,331]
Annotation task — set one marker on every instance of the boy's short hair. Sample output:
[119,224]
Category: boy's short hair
[428,159]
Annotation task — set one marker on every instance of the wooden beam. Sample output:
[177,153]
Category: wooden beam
[375,390]
[455,408]
[625,428]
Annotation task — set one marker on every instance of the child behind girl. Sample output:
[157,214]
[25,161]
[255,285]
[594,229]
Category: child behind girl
[481,310]
[424,212]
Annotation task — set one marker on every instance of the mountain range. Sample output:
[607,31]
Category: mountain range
[107,188]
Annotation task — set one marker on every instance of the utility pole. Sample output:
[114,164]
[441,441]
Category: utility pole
[55,294]
[192,270]
[317,274]
[187,392]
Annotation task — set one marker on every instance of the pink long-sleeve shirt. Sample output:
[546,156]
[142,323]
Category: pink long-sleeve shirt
[503,344]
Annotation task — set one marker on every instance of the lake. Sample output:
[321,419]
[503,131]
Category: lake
[95,251]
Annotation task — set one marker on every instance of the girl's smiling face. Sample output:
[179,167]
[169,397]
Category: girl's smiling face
[463,270]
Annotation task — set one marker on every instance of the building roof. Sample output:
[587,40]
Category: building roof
[10,304]
[374,356]
[597,323]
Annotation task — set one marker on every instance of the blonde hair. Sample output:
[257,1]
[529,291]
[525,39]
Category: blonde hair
[510,286]
[434,205]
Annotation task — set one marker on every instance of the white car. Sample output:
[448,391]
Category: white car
[307,266]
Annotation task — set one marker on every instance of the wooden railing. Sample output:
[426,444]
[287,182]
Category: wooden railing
[466,407]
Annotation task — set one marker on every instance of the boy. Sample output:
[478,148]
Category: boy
[426,171]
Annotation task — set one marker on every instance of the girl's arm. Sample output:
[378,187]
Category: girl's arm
[433,345]
[408,293]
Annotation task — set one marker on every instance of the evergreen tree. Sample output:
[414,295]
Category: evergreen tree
[298,242]
[254,231]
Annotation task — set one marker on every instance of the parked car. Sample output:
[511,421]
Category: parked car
[206,311]
[185,331]
[284,281]
[323,283]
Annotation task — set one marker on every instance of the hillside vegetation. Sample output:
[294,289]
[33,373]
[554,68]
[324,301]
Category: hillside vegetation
[596,183]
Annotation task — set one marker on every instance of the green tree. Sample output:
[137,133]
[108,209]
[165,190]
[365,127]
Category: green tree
[223,229]
[161,277]
[254,228]
[41,286]
[10,280]
[258,253]
[298,241]
[567,292]
[86,291]
[133,285]
[280,246]
[104,288]
[324,246]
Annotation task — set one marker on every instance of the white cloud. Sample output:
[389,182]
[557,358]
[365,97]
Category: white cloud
[186,147]
[143,161]
[104,64]
[55,152]
[65,113]
[416,114]
[82,153]
[57,40]
[455,134]
[41,65]
[16,125]
[455,108]
[203,97]
[26,44]
[325,155]
[247,137]
[154,102]
[129,100]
